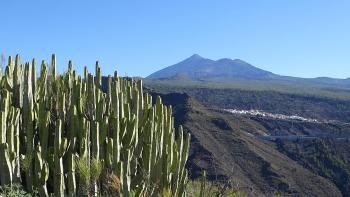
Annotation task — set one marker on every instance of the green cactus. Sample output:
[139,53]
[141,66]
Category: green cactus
[4,105]
[12,138]
[73,127]
[60,146]
[17,84]
[53,67]
[5,164]
[29,149]
[61,121]
[41,170]
[28,125]
[34,79]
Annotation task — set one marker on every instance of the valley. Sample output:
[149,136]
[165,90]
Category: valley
[249,147]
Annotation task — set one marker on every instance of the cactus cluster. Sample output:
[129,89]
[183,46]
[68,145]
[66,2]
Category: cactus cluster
[50,122]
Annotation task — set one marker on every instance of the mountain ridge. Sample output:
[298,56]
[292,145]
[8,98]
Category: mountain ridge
[197,67]
[226,70]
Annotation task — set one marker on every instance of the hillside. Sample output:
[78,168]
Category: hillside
[228,148]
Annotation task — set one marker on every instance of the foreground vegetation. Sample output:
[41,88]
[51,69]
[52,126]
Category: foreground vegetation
[62,135]
[202,187]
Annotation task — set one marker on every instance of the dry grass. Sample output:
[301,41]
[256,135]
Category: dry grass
[196,189]
[110,183]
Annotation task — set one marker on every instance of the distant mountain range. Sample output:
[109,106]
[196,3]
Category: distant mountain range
[227,70]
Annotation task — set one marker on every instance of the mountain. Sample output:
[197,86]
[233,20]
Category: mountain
[226,71]
[197,67]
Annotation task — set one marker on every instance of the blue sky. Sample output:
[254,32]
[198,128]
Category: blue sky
[305,38]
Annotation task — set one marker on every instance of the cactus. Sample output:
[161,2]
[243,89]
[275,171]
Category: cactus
[73,126]
[5,164]
[12,139]
[59,151]
[60,121]
[41,173]
[17,84]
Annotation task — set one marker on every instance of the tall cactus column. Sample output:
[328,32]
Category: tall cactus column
[6,170]
[41,173]
[12,138]
[5,163]
[73,127]
[28,125]
[59,151]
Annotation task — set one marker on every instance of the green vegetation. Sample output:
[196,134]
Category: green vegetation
[179,85]
[306,105]
[321,158]
[16,190]
[62,135]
